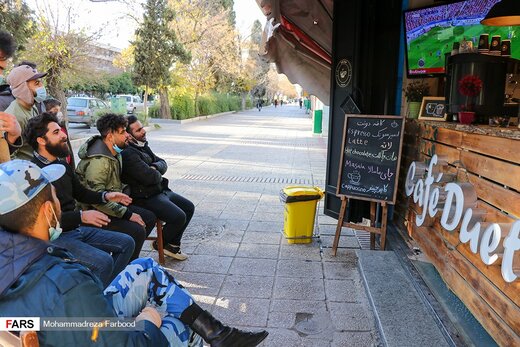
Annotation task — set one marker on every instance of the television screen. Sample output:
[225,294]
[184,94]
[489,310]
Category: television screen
[430,33]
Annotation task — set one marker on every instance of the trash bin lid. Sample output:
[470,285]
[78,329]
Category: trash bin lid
[300,193]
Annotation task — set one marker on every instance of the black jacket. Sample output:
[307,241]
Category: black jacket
[6,97]
[69,189]
[144,181]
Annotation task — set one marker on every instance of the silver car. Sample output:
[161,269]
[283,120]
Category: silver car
[85,110]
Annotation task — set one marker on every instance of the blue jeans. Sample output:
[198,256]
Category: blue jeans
[144,281]
[93,247]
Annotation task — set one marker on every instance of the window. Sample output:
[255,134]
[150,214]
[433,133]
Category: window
[77,102]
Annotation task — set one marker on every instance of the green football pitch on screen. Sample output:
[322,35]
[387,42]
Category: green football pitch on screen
[432,46]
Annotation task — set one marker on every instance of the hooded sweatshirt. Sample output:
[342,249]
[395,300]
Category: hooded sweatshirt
[40,279]
[100,171]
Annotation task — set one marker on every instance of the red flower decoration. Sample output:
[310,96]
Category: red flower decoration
[470,85]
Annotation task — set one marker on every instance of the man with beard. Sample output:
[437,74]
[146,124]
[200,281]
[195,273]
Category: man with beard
[143,171]
[81,234]
[40,279]
[100,170]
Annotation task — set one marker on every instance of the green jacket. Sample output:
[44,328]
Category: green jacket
[100,171]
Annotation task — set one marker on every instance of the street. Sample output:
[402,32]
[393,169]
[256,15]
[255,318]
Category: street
[241,267]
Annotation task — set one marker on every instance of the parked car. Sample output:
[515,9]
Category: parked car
[133,103]
[85,109]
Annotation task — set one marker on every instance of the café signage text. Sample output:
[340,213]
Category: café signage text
[457,202]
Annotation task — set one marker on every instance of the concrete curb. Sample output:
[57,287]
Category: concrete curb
[195,119]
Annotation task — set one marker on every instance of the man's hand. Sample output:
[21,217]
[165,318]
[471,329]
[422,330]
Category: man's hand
[10,125]
[137,219]
[95,218]
[150,314]
[119,197]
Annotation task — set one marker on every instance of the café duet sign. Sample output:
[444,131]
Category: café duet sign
[456,204]
[369,167]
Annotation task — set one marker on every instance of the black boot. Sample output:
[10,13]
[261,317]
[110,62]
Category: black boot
[217,334]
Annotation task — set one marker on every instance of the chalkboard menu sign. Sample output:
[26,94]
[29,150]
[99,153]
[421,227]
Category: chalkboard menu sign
[370,159]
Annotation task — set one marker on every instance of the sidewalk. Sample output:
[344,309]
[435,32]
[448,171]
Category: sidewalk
[240,267]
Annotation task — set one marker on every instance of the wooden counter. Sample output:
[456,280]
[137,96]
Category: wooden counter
[491,157]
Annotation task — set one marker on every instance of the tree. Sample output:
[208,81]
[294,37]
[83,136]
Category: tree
[17,19]
[125,61]
[203,27]
[60,50]
[156,50]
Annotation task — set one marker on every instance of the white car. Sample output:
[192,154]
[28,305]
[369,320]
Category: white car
[133,103]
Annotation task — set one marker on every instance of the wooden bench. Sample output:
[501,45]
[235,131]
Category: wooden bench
[159,239]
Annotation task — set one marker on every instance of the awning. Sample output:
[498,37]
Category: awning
[298,39]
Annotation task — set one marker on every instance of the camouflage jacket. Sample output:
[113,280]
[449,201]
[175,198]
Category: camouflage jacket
[100,171]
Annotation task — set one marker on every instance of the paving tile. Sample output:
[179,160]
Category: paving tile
[298,306]
[281,320]
[353,317]
[247,286]
[343,255]
[253,266]
[234,224]
[344,290]
[299,288]
[197,283]
[232,236]
[250,250]
[282,337]
[267,226]
[344,241]
[354,339]
[262,237]
[242,311]
[340,270]
[207,264]
[222,248]
[299,268]
[300,251]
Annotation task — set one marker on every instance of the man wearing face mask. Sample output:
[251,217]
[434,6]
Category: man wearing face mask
[40,279]
[27,88]
[104,252]
[100,170]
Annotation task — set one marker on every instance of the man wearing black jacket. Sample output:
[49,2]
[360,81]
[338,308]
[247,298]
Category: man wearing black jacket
[143,171]
[82,236]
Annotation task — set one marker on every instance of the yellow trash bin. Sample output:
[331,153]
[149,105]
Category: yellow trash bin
[300,211]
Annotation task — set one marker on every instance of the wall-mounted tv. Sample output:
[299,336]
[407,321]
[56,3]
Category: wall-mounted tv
[431,31]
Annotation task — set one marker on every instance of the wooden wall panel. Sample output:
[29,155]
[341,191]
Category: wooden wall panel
[493,168]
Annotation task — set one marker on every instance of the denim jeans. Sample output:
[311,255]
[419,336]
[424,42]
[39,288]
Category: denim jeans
[136,231]
[144,282]
[174,210]
[93,248]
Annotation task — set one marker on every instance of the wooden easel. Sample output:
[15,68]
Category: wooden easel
[372,230]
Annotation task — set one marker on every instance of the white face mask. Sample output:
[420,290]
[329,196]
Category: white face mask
[54,232]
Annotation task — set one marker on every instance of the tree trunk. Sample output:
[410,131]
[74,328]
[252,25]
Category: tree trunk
[244,101]
[145,105]
[55,90]
[165,103]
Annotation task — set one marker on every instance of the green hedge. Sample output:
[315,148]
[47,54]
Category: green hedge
[183,106]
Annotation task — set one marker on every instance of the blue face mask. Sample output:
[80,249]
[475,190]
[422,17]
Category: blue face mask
[54,232]
[117,149]
[2,80]
[41,94]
